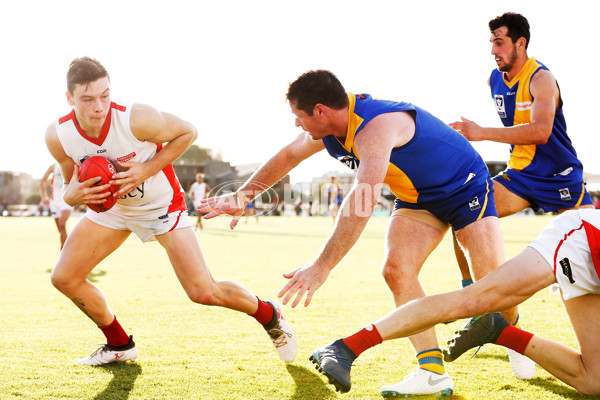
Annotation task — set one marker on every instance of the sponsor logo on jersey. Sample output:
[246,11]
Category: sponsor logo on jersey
[138,191]
[474,204]
[500,106]
[566,269]
[565,172]
[126,158]
[101,151]
[524,105]
[565,195]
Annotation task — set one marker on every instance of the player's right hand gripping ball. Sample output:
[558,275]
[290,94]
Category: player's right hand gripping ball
[99,166]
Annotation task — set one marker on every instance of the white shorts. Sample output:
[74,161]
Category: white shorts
[145,229]
[565,246]
[57,206]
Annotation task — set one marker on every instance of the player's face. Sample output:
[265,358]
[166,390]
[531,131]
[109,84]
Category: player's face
[503,49]
[91,102]
[312,124]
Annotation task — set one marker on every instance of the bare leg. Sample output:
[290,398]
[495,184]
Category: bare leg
[61,225]
[404,258]
[502,289]
[485,250]
[87,245]
[579,369]
[507,203]
[195,278]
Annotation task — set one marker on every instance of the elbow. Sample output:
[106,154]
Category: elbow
[193,134]
[541,135]
[542,138]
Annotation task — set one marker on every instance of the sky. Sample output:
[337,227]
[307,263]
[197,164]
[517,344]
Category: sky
[225,66]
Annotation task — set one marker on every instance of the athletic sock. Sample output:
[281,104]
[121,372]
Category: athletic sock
[115,334]
[517,324]
[264,314]
[466,282]
[431,360]
[364,339]
[514,338]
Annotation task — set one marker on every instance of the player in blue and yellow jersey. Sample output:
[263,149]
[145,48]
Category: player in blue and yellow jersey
[543,170]
[439,181]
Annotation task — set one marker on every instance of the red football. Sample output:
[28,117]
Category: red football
[99,166]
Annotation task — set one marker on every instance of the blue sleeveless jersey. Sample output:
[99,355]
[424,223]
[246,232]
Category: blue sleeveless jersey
[513,102]
[436,163]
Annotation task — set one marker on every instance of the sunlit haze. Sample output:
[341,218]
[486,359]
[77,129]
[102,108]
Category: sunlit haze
[225,66]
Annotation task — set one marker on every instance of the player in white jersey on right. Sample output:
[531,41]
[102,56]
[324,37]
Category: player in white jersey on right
[59,210]
[198,191]
[142,142]
[566,253]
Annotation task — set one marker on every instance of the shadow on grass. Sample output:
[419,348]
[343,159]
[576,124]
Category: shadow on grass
[121,384]
[552,385]
[92,277]
[309,385]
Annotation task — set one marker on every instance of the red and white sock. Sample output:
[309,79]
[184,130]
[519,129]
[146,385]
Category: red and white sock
[364,339]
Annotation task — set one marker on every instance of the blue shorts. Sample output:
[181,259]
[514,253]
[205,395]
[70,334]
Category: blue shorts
[547,193]
[462,208]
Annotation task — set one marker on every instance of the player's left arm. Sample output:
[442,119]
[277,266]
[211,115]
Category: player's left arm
[374,146]
[545,93]
[151,125]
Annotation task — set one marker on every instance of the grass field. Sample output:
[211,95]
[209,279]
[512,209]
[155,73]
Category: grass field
[188,351]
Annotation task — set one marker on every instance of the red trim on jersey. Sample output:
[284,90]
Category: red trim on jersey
[593,237]
[178,200]
[176,222]
[67,117]
[561,242]
[105,128]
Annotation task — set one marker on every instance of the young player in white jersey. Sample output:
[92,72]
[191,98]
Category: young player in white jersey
[151,205]
[198,191]
[59,210]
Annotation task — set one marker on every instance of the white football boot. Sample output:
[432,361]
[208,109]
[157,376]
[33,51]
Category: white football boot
[419,383]
[281,334]
[107,354]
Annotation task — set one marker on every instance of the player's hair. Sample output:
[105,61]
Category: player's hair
[317,87]
[84,70]
[517,26]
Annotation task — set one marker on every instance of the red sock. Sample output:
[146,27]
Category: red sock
[514,338]
[115,334]
[364,339]
[264,314]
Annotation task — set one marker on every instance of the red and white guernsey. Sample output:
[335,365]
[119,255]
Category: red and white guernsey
[159,195]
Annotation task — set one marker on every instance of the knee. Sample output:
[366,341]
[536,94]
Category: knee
[204,296]
[62,282]
[397,275]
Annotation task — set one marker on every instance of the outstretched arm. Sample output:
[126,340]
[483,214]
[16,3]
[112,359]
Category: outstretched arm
[263,178]
[374,146]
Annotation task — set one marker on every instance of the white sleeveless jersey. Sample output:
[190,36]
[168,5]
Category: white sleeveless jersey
[57,183]
[159,195]
[199,191]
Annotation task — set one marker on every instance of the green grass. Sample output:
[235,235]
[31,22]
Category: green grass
[191,351]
